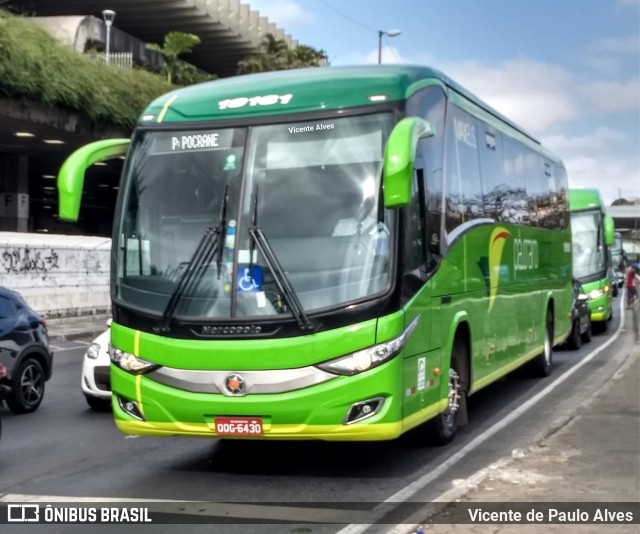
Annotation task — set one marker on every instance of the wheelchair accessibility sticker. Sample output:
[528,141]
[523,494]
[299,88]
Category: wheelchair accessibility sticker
[249,279]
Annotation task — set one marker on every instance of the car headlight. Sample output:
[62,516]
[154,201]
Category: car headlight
[596,293]
[371,357]
[130,363]
[93,351]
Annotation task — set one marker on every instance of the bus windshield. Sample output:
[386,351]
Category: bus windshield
[588,244]
[192,200]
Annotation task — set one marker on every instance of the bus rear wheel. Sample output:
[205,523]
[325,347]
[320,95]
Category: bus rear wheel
[540,366]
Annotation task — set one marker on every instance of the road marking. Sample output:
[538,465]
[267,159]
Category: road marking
[58,348]
[325,515]
[409,491]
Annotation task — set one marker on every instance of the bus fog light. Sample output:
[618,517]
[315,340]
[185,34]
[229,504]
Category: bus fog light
[363,410]
[130,407]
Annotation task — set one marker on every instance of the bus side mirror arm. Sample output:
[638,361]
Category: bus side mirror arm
[71,174]
[400,159]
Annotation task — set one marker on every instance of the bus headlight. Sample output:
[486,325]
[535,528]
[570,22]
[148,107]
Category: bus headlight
[130,363]
[371,357]
[596,293]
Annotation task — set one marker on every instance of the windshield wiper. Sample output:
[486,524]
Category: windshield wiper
[279,275]
[202,255]
[222,227]
[210,245]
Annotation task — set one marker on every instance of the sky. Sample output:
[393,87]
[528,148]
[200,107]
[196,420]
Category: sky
[567,71]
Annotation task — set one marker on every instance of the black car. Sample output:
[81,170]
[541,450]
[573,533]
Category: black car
[580,317]
[3,389]
[24,351]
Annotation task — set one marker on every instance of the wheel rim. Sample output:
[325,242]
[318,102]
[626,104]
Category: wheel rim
[31,385]
[547,346]
[449,416]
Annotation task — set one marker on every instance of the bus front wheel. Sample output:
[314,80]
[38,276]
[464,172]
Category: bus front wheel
[442,429]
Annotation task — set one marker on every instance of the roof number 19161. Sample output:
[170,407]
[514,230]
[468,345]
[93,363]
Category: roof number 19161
[252,101]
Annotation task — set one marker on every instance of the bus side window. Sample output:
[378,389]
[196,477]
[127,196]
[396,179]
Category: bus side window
[520,166]
[463,191]
[414,232]
[429,103]
[414,251]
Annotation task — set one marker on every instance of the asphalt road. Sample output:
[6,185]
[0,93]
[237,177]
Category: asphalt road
[65,451]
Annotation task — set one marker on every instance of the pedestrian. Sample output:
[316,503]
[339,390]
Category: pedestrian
[632,279]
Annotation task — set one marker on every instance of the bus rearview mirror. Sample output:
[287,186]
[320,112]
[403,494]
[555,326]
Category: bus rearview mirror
[71,174]
[609,230]
[400,159]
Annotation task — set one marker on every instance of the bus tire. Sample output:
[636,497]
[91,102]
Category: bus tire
[586,337]
[602,326]
[442,428]
[575,339]
[540,366]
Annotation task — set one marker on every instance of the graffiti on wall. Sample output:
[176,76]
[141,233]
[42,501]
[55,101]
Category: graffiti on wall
[25,260]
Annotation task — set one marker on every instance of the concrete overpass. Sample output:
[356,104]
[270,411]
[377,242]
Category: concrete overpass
[229,31]
[627,222]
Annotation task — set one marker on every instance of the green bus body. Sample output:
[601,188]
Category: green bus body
[254,309]
[593,236]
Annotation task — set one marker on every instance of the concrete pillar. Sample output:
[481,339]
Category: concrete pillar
[14,192]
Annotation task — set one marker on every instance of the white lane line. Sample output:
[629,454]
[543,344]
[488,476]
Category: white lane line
[409,491]
[58,348]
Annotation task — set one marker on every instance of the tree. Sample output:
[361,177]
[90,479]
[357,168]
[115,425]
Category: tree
[275,54]
[175,44]
[305,56]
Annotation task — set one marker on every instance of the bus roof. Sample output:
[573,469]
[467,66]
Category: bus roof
[584,199]
[302,90]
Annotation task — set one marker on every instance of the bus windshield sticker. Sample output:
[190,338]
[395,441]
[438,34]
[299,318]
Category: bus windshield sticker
[249,279]
[422,372]
[230,164]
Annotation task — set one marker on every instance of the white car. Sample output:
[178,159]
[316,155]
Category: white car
[96,381]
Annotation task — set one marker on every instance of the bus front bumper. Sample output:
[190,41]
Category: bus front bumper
[315,412]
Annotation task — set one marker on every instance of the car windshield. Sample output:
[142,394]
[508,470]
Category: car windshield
[192,201]
[588,244]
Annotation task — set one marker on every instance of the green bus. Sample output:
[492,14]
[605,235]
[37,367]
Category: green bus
[593,235]
[618,261]
[332,253]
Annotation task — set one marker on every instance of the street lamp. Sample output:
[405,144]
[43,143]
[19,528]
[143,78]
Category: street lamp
[390,33]
[108,15]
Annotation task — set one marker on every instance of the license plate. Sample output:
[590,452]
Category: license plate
[238,426]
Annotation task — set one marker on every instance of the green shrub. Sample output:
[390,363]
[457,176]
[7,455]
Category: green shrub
[35,66]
